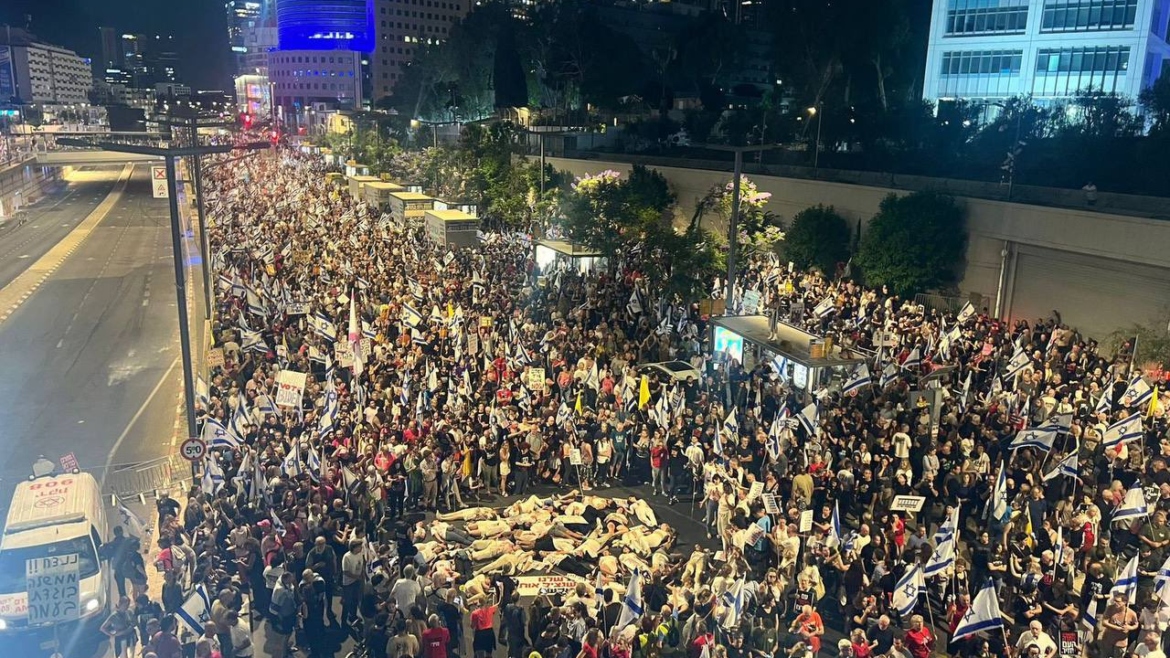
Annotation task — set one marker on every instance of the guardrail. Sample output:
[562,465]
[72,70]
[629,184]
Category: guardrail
[128,481]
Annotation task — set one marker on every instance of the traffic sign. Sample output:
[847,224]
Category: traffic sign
[193,449]
[158,181]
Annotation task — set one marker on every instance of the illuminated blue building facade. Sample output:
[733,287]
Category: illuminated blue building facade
[326,25]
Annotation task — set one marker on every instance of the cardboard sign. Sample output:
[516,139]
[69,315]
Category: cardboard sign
[751,302]
[290,387]
[296,308]
[575,457]
[550,585]
[215,358]
[534,377]
[53,589]
[756,491]
[473,344]
[907,504]
[806,520]
[770,505]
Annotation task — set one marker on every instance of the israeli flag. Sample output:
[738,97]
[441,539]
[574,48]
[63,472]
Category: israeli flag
[291,466]
[999,508]
[1160,580]
[983,615]
[133,523]
[265,405]
[1069,466]
[411,317]
[966,313]
[913,360]
[731,425]
[324,327]
[889,374]
[313,463]
[1133,506]
[778,426]
[1020,360]
[861,379]
[202,392]
[241,418]
[907,590]
[213,477]
[328,414]
[1060,423]
[215,435]
[196,610]
[965,393]
[252,341]
[733,605]
[1036,437]
[809,417]
[1138,393]
[632,607]
[943,556]
[836,536]
[948,528]
[825,307]
[1123,431]
[1127,581]
[1105,402]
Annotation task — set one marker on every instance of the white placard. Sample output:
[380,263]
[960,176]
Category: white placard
[770,505]
[751,302]
[756,490]
[575,457]
[806,519]
[53,590]
[549,584]
[296,308]
[290,387]
[907,504]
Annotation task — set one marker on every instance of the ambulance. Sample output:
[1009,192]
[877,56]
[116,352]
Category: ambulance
[55,515]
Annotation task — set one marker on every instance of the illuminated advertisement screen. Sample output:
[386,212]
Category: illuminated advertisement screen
[732,343]
[7,83]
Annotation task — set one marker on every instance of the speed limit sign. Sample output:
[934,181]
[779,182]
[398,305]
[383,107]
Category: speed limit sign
[193,449]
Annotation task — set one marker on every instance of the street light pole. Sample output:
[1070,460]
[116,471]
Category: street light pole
[816,111]
[181,294]
[733,231]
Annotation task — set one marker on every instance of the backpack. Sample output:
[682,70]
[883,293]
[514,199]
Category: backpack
[673,637]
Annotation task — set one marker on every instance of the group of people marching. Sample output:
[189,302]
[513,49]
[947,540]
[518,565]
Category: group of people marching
[390,411]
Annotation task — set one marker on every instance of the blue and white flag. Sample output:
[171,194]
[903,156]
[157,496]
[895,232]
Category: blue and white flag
[966,313]
[215,435]
[291,466]
[411,317]
[1069,466]
[733,605]
[779,425]
[1059,423]
[1058,550]
[889,374]
[202,392]
[858,381]
[213,477]
[943,556]
[1123,431]
[196,610]
[731,425]
[1105,402]
[809,417]
[1035,437]
[133,523]
[1127,581]
[825,307]
[241,418]
[1133,506]
[913,360]
[265,404]
[324,326]
[907,590]
[836,535]
[948,528]
[1019,361]
[1137,394]
[983,615]
[999,507]
[965,394]
[1160,580]
[632,607]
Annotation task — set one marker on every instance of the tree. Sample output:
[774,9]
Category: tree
[818,237]
[1155,101]
[1153,345]
[913,243]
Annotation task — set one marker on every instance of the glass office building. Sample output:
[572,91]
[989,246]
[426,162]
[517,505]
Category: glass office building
[325,25]
[990,50]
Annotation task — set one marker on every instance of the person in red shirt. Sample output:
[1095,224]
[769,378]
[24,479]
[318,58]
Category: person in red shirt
[657,472]
[919,639]
[483,621]
[435,639]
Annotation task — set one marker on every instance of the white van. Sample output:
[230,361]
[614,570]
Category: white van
[54,515]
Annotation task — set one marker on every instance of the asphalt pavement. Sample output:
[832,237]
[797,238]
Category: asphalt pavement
[91,358]
[28,236]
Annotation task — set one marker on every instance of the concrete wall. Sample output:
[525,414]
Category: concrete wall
[1107,247]
[23,184]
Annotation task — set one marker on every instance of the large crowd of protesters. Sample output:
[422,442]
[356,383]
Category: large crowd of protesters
[468,417]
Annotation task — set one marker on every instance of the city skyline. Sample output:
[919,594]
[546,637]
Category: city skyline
[199,27]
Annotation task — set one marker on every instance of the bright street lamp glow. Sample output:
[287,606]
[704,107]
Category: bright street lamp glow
[812,111]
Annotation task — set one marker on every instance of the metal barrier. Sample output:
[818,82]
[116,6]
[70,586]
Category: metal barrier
[145,478]
[945,304]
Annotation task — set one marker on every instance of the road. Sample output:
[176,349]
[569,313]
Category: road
[91,357]
[26,239]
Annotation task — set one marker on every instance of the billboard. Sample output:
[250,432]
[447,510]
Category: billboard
[325,25]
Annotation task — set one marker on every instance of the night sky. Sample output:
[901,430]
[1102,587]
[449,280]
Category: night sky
[199,28]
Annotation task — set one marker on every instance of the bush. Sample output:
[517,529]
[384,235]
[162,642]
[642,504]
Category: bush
[818,237]
[914,243]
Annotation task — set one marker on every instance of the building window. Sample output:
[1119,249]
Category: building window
[1086,15]
[980,73]
[1065,71]
[967,17]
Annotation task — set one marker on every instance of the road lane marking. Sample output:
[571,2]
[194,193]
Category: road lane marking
[134,419]
[28,281]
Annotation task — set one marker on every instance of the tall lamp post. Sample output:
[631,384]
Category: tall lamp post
[1014,152]
[733,223]
[815,111]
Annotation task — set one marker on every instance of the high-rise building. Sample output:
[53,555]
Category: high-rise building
[42,73]
[326,24]
[302,78]
[111,49]
[990,50]
[403,27]
[242,17]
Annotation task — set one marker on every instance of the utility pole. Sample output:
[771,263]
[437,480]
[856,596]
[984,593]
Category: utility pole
[733,222]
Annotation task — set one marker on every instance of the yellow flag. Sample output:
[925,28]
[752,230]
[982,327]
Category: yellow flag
[450,310]
[1028,529]
[1153,403]
[579,407]
[644,392]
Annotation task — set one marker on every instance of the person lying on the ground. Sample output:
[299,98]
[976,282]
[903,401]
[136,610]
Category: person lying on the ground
[513,564]
[469,514]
